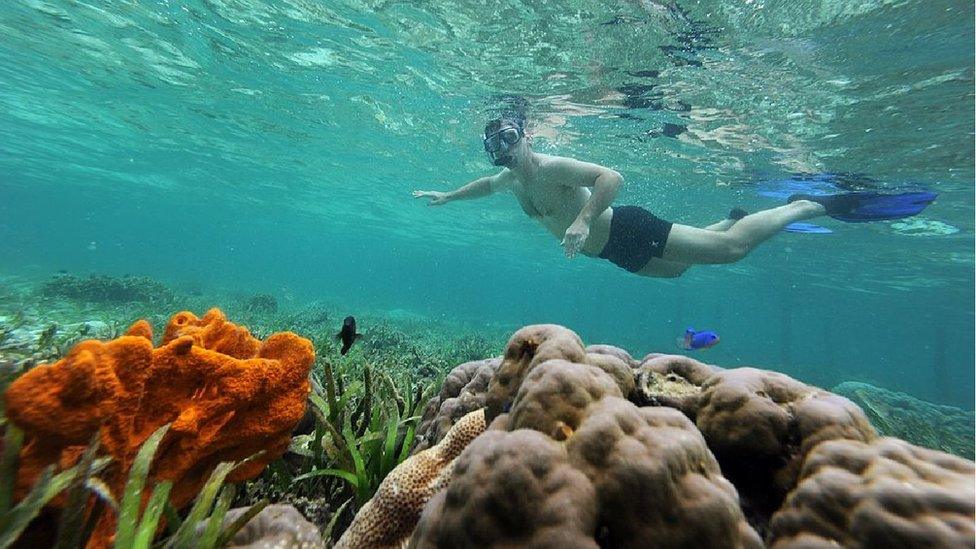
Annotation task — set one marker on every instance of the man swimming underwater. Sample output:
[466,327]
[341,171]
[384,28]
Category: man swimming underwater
[556,191]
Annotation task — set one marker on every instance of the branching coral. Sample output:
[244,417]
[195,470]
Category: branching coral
[228,396]
[887,493]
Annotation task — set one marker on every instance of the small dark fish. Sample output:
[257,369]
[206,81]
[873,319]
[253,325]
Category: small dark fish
[698,340]
[348,334]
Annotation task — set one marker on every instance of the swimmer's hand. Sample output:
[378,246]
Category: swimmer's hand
[574,238]
[436,198]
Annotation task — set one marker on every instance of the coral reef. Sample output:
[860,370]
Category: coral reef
[899,415]
[887,493]
[573,463]
[388,519]
[228,396]
[553,443]
[681,454]
[261,303]
[557,395]
[623,355]
[107,289]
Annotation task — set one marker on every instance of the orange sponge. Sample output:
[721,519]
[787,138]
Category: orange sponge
[227,394]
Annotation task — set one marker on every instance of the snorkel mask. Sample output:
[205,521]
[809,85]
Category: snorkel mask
[498,142]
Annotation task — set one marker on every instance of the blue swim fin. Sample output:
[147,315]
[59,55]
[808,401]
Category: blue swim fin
[859,207]
[806,228]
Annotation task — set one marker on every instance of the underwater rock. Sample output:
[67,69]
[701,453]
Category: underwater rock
[923,423]
[275,526]
[389,518]
[28,342]
[887,493]
[227,395]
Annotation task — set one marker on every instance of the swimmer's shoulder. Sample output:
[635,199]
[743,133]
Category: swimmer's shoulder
[503,180]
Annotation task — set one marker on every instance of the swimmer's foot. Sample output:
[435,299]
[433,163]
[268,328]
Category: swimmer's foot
[870,206]
[835,204]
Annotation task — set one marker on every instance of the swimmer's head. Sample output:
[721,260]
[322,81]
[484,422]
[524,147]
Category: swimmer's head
[503,141]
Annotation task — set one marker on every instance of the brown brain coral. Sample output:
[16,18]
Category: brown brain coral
[464,390]
[617,352]
[534,345]
[555,397]
[224,405]
[655,478]
[616,368]
[511,489]
[650,468]
[887,493]
[388,519]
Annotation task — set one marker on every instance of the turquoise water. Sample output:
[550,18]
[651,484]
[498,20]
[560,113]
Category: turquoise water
[273,146]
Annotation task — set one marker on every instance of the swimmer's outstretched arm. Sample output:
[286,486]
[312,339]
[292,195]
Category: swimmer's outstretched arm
[483,186]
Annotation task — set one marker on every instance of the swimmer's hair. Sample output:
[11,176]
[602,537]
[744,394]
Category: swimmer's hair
[494,124]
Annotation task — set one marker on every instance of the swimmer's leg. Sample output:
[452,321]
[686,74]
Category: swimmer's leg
[693,245]
[726,224]
[659,268]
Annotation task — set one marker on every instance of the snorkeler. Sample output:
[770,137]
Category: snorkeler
[556,191]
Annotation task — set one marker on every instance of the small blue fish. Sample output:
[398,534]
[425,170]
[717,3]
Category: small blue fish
[698,340]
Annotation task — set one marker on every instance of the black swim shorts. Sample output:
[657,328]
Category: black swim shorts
[636,235]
